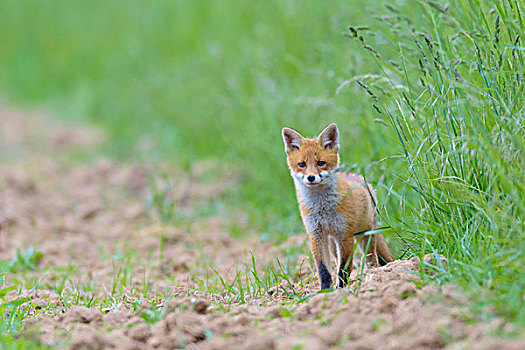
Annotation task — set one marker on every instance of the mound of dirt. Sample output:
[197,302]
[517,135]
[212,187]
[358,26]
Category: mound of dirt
[389,313]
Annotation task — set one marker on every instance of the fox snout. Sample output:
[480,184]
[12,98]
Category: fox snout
[312,179]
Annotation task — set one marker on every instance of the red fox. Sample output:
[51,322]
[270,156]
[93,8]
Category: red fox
[334,206]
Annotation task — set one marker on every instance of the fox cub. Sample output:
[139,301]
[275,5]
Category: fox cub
[334,206]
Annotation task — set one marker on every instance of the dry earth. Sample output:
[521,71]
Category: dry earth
[99,241]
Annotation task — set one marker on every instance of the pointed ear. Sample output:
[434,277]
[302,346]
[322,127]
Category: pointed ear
[329,137]
[292,140]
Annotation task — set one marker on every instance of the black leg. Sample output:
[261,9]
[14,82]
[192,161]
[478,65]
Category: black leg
[324,276]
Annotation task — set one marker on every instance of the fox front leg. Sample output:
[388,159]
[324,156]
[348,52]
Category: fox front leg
[317,251]
[347,248]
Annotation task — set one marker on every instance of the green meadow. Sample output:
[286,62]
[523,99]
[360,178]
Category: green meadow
[196,80]
[428,96]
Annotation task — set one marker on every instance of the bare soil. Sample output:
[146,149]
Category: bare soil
[96,233]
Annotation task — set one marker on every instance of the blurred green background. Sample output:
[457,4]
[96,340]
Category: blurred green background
[188,80]
[185,81]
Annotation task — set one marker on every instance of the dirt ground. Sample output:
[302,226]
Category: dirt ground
[99,239]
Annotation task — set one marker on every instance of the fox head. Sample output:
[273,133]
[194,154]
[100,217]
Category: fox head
[312,161]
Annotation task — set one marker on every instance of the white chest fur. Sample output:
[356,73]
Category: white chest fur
[321,202]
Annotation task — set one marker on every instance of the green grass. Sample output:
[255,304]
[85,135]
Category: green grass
[12,315]
[454,96]
[429,101]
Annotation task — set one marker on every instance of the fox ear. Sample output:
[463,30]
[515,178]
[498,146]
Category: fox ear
[292,140]
[329,137]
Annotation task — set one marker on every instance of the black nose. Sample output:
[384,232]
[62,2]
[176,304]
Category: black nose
[311,178]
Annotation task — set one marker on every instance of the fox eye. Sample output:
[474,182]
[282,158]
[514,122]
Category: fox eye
[302,164]
[321,163]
